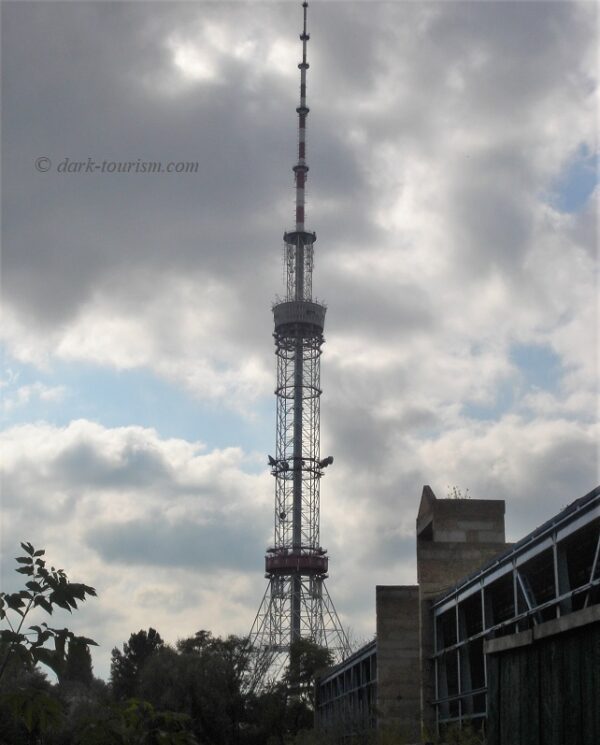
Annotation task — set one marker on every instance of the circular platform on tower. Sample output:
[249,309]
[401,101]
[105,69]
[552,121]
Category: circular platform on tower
[303,563]
[299,313]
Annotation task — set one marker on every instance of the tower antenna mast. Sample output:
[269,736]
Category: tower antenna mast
[296,604]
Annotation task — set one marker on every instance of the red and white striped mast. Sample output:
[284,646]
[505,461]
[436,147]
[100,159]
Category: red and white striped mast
[301,168]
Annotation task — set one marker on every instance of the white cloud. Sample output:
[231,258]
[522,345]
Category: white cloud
[24,394]
[184,334]
[163,522]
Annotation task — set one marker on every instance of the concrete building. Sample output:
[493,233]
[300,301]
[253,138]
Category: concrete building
[454,537]
[486,618]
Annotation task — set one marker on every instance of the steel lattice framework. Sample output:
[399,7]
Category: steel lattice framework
[296,604]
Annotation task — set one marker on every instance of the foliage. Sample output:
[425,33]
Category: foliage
[202,679]
[82,703]
[126,666]
[136,723]
[307,659]
[455,492]
[78,664]
[37,710]
[30,707]
[193,694]
[285,711]
[27,704]
[46,589]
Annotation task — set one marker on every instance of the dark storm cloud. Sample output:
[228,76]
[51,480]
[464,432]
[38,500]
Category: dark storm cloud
[98,79]
[188,544]
[136,467]
[356,436]
[394,310]
[559,472]
[506,57]
[93,81]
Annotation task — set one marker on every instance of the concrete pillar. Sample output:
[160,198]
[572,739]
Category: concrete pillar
[398,665]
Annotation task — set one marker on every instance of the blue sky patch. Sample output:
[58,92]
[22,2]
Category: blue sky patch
[539,366]
[134,397]
[577,182]
[503,401]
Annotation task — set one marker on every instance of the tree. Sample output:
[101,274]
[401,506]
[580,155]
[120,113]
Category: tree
[46,589]
[280,713]
[126,666]
[78,664]
[307,660]
[203,679]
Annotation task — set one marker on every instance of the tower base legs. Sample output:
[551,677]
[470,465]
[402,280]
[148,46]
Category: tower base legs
[273,630]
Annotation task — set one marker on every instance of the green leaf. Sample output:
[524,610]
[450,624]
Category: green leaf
[23,654]
[25,570]
[24,560]
[43,602]
[28,548]
[12,637]
[48,657]
[42,639]
[36,709]
[15,602]
[41,552]
[58,598]
[85,640]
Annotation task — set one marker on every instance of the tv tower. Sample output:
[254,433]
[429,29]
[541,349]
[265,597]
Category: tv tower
[296,604]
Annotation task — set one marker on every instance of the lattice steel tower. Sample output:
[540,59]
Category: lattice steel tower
[296,603]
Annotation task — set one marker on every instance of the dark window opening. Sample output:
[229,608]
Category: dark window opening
[501,600]
[538,577]
[470,616]
[446,629]
[476,664]
[580,549]
[451,669]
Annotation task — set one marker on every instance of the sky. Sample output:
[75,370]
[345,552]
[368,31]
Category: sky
[453,189]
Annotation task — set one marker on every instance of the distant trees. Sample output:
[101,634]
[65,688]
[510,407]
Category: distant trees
[126,666]
[203,679]
[307,659]
[195,693]
[78,664]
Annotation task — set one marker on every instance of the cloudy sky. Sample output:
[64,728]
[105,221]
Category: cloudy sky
[453,166]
